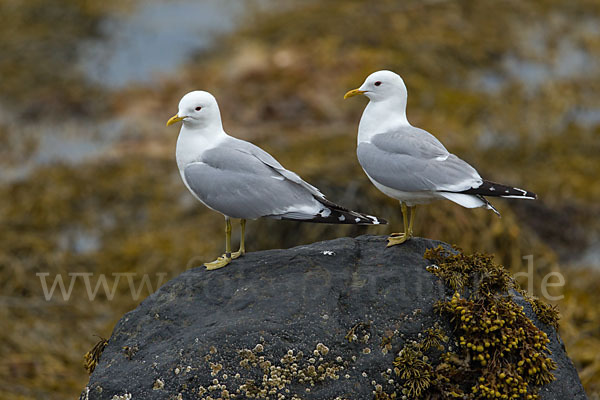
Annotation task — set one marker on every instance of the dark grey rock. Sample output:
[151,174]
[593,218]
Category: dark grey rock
[200,327]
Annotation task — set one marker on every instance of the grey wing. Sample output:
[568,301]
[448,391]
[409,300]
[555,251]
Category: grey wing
[240,185]
[413,160]
[411,141]
[269,160]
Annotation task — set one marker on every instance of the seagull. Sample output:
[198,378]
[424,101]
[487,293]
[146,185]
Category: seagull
[411,165]
[241,180]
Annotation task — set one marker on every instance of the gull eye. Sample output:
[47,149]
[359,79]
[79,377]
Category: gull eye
[198,108]
[378,83]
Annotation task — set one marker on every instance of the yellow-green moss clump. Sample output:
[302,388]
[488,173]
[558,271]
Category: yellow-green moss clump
[500,353]
[546,313]
[412,366]
[422,379]
[92,357]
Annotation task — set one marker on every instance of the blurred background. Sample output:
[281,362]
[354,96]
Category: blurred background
[89,182]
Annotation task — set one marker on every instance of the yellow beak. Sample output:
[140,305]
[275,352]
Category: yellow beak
[175,118]
[354,92]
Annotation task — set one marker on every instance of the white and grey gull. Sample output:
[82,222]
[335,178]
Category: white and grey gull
[241,180]
[410,164]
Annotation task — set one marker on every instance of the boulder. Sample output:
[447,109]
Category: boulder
[339,319]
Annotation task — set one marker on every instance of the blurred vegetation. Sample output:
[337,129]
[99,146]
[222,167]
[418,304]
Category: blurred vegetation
[511,87]
[40,41]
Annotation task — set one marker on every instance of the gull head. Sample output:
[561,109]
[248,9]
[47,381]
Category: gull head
[380,86]
[197,110]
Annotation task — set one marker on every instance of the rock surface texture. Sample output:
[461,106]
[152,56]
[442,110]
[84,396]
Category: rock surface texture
[322,321]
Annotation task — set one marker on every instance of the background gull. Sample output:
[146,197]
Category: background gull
[240,180]
[410,164]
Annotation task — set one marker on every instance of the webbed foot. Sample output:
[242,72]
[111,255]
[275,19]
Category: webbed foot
[219,262]
[237,254]
[398,238]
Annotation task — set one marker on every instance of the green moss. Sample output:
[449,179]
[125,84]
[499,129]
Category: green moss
[414,369]
[507,351]
[505,355]
[461,271]
[434,338]
[496,353]
[424,377]
[546,313]
[92,357]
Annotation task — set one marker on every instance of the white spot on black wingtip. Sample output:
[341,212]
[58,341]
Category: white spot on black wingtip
[374,219]
[341,218]
[492,189]
[326,212]
[506,191]
[356,219]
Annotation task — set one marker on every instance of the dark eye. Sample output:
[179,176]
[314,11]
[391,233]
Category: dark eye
[378,83]
[198,108]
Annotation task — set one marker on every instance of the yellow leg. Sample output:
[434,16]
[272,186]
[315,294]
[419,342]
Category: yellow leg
[225,258]
[242,249]
[399,238]
[413,212]
[404,221]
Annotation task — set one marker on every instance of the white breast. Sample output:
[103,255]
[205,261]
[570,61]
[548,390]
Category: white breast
[190,146]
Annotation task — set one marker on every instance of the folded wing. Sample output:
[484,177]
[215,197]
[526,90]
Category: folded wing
[243,181]
[412,160]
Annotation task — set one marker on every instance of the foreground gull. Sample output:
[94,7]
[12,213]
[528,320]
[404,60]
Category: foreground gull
[240,180]
[408,163]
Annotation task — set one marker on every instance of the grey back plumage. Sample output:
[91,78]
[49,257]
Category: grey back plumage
[241,180]
[412,160]
[235,182]
[268,159]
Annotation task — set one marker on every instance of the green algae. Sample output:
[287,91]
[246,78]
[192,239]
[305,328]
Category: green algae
[546,313]
[489,350]
[506,354]
[414,369]
[92,357]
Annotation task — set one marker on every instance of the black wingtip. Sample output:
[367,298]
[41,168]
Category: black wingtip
[493,189]
[376,220]
[341,215]
[349,218]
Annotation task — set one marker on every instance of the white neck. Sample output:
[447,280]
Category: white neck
[382,116]
[192,142]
